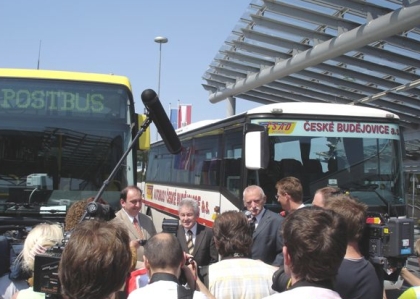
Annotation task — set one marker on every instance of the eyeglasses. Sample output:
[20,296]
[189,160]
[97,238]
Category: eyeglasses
[278,195]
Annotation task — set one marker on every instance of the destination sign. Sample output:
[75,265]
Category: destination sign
[56,98]
[51,100]
[330,128]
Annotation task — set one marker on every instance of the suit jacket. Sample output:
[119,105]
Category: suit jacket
[267,240]
[146,225]
[205,252]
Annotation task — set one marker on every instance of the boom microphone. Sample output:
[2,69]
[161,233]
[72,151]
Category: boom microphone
[161,121]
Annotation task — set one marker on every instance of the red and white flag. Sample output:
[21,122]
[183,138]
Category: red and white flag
[184,115]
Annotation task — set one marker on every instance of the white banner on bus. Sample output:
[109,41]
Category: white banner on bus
[330,128]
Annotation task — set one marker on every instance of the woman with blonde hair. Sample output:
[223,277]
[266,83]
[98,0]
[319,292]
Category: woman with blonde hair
[42,237]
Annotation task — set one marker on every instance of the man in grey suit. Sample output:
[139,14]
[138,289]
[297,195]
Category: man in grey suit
[267,240]
[140,227]
[201,246]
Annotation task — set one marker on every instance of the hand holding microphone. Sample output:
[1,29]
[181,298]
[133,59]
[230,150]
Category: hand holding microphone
[251,221]
[249,216]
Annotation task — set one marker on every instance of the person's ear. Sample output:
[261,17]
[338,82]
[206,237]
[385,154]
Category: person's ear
[146,263]
[184,259]
[287,259]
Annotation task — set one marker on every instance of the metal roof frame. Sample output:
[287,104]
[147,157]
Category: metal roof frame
[344,51]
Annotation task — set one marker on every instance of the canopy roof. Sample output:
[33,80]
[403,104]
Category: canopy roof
[353,52]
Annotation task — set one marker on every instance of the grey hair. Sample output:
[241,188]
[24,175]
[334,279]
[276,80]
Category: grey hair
[252,188]
[190,202]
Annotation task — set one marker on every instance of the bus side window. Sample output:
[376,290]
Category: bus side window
[232,175]
[205,173]
[214,172]
[233,150]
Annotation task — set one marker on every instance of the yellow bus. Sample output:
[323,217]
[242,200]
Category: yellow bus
[61,135]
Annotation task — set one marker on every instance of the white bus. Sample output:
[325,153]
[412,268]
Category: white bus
[358,149]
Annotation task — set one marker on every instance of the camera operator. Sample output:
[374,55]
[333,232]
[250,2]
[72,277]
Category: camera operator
[96,260]
[39,239]
[312,267]
[356,276]
[164,260]
[75,214]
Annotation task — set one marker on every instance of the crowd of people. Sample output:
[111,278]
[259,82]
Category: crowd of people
[307,251]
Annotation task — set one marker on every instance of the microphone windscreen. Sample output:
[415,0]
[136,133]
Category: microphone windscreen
[160,119]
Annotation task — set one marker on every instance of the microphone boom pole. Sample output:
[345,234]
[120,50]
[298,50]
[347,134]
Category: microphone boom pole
[155,113]
[105,184]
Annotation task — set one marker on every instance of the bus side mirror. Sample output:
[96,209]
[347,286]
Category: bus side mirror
[256,147]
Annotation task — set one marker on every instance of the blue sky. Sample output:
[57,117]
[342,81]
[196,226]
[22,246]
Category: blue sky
[118,37]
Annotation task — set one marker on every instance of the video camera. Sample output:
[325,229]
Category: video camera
[388,243]
[46,265]
[170,226]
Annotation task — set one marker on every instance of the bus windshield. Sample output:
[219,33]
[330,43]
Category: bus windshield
[363,160]
[59,140]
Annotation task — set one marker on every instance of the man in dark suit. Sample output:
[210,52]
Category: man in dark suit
[267,240]
[196,239]
[140,226]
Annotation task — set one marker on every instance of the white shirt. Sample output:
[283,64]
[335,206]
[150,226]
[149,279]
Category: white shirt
[131,218]
[193,230]
[306,292]
[161,289]
[258,217]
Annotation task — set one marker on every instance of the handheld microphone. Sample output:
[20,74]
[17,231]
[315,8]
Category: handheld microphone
[248,214]
[251,222]
[161,121]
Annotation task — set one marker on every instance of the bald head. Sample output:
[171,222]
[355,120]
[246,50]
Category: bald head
[163,251]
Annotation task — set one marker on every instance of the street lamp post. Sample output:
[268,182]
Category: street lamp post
[160,40]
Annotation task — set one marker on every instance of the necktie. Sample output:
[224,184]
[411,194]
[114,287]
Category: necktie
[253,224]
[138,228]
[190,244]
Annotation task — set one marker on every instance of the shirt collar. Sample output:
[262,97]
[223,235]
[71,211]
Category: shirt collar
[193,229]
[259,216]
[130,217]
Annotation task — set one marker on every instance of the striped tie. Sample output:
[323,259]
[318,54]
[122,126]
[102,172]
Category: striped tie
[138,228]
[190,244]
